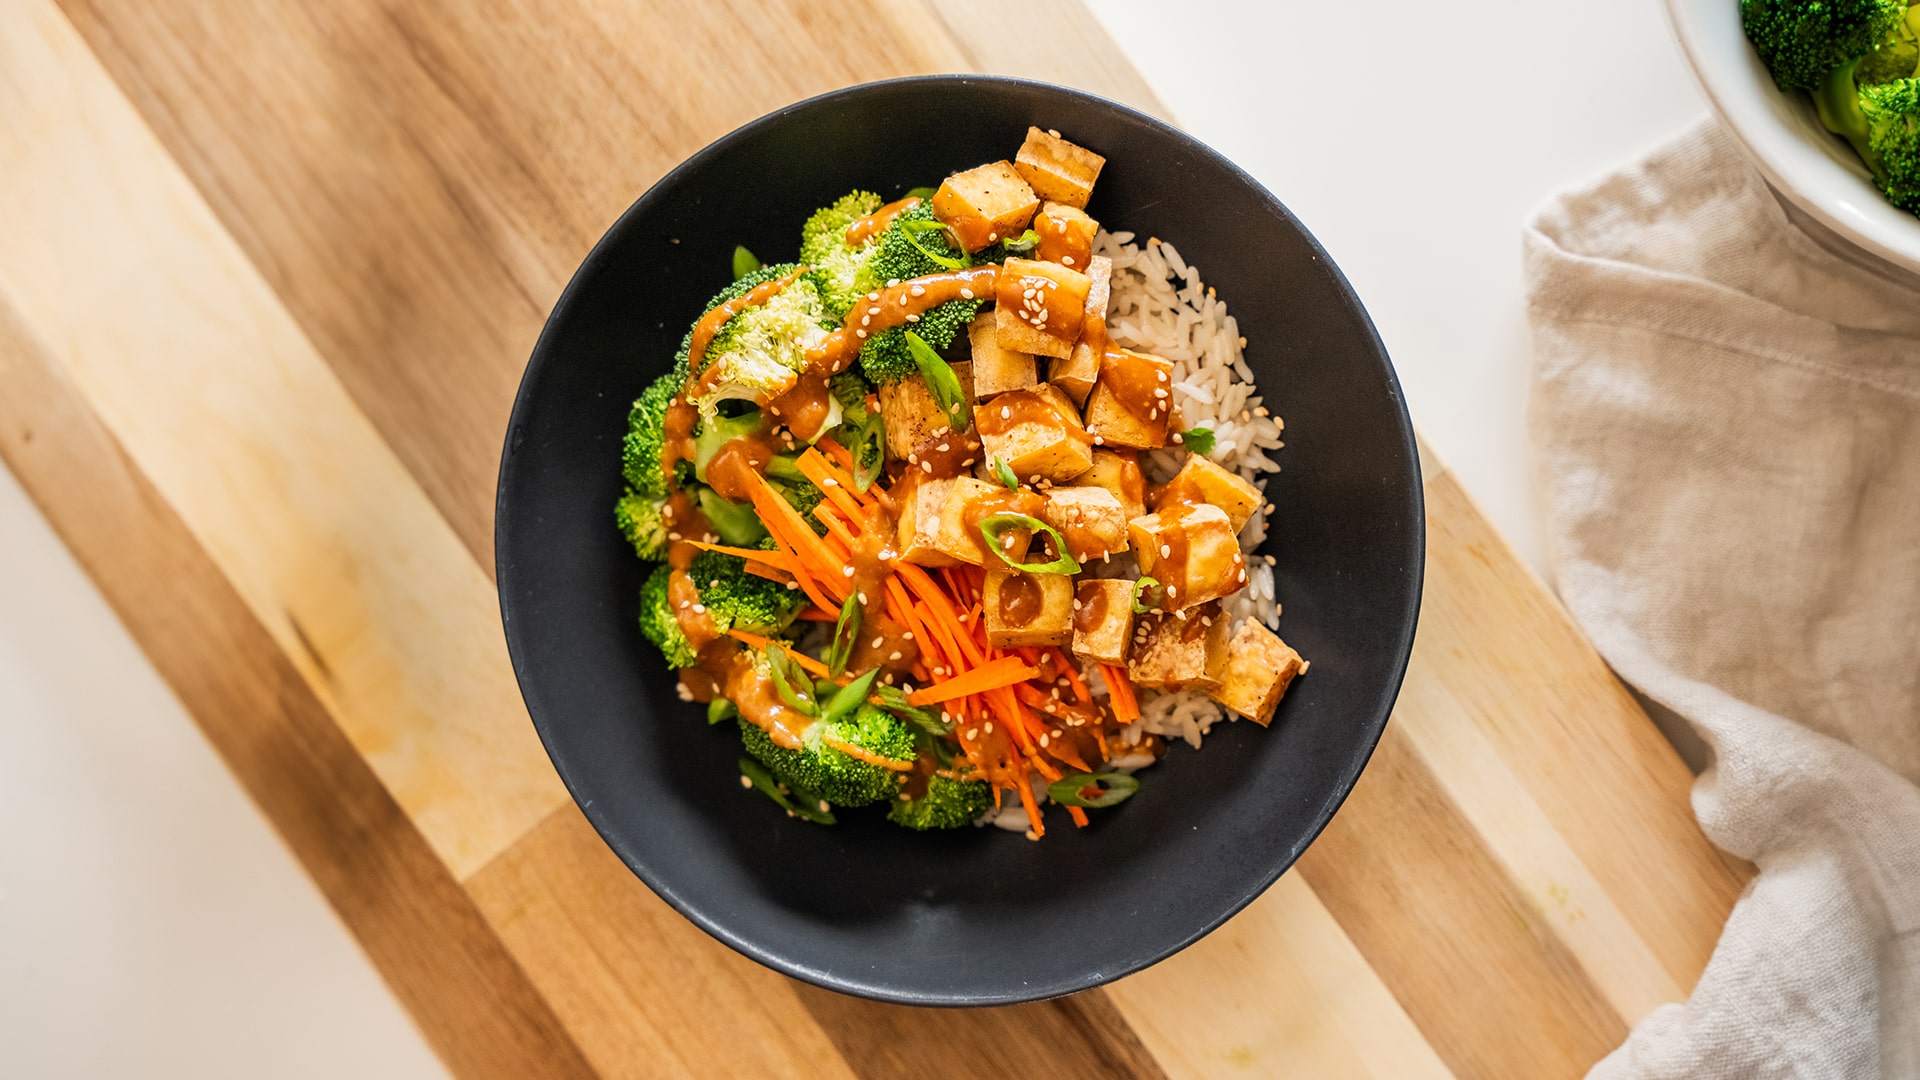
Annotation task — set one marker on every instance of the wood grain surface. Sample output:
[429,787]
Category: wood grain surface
[268,276]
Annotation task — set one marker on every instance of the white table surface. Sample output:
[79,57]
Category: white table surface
[152,924]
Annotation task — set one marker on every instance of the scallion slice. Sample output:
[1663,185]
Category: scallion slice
[802,805]
[787,684]
[912,230]
[994,526]
[941,380]
[744,262]
[1092,791]
[846,632]
[1004,472]
[1140,589]
[849,698]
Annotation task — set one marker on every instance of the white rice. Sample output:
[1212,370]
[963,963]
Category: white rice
[1160,306]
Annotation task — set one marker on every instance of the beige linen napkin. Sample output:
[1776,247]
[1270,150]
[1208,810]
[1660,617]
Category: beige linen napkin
[1727,416]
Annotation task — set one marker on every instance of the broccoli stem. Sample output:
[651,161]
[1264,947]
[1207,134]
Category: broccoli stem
[1837,99]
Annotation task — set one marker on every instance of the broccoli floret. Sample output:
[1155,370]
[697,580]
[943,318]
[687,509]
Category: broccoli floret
[658,623]
[1892,113]
[760,352]
[948,804]
[736,599]
[736,523]
[839,269]
[837,777]
[884,357]
[1803,41]
[1898,57]
[638,519]
[646,432]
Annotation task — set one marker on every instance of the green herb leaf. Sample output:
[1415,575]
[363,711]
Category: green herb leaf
[849,697]
[1023,243]
[720,709]
[1198,440]
[912,230]
[1005,473]
[993,526]
[1140,589]
[1093,792]
[866,440]
[941,380]
[846,632]
[744,263]
[787,683]
[802,805]
[922,193]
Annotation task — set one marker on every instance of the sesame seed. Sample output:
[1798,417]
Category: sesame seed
[944,447]
[992,236]
[859,333]
[926,466]
[866,320]
[903,300]
[877,642]
[967,464]
[918,290]
[1269,508]
[1066,260]
[1099,440]
[849,571]
[792,585]
[1006,412]
[1179,438]
[1026,294]
[1162,374]
[746,783]
[966,293]
[1166,551]
[863,598]
[913,318]
[989,728]
[873,295]
[891,282]
[699,609]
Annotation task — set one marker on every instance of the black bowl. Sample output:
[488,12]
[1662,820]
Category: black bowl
[972,916]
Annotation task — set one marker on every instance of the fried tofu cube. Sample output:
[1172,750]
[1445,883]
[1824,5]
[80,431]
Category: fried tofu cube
[1027,609]
[1118,471]
[933,529]
[1091,518]
[1066,235]
[1039,307]
[1185,651]
[997,370]
[1192,550]
[1057,169]
[985,205]
[912,416]
[1077,372]
[1202,481]
[1037,432]
[1132,403]
[1103,620]
[1259,669]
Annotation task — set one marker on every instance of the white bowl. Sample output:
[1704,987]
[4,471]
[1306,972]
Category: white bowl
[1780,132]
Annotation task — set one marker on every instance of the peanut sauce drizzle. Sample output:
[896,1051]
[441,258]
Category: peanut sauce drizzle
[897,305]
[876,223]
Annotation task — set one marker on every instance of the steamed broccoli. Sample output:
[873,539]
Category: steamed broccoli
[1892,113]
[738,600]
[884,357]
[646,432]
[735,523]
[1803,42]
[1898,57]
[760,351]
[948,804]
[837,777]
[659,623]
[839,270]
[638,519]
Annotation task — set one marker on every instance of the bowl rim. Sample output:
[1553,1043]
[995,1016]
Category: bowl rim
[1794,167]
[1401,647]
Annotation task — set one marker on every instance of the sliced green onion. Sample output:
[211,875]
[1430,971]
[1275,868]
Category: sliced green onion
[784,682]
[846,632]
[1023,243]
[720,709]
[1140,589]
[941,380]
[1199,440]
[993,526]
[744,262]
[922,193]
[1005,473]
[930,733]
[802,805]
[1093,792]
[849,697]
[912,230]
[866,440]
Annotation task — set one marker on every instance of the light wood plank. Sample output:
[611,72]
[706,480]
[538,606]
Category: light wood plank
[183,351]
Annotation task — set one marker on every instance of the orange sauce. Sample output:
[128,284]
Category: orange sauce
[1021,600]
[730,474]
[876,223]
[804,408]
[1091,610]
[710,323]
[897,305]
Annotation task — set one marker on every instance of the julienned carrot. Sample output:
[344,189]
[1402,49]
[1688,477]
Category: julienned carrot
[993,675]
[785,522]
[814,614]
[813,667]
[814,466]
[777,559]
[1033,810]
[1126,705]
[771,573]
[840,454]
[1072,672]
[1079,817]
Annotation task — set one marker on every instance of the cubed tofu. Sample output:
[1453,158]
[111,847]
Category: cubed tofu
[1119,472]
[1066,235]
[1202,481]
[1037,432]
[1027,609]
[912,416]
[1103,620]
[985,205]
[933,528]
[997,370]
[1091,518]
[1132,404]
[1192,551]
[1057,169]
[1039,307]
[1186,651]
[1259,668]
[1077,372]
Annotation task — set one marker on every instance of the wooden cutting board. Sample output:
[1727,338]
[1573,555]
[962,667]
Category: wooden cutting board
[268,276]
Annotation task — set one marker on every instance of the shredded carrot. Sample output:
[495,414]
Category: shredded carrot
[1033,810]
[865,755]
[813,667]
[769,572]
[816,468]
[1078,815]
[814,614]
[994,675]
[781,519]
[777,559]
[840,454]
[1126,704]
[1072,672]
